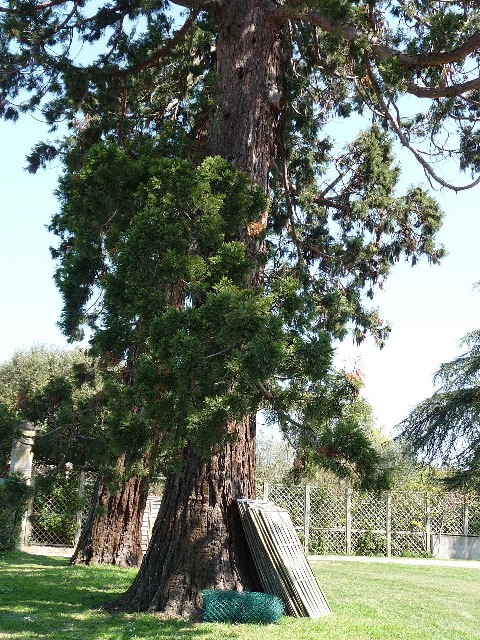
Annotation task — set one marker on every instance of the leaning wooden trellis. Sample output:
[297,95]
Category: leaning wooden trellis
[279,558]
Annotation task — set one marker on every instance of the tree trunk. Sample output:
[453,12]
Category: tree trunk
[112,533]
[198,542]
[248,92]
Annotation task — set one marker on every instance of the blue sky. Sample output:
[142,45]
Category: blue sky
[430,308]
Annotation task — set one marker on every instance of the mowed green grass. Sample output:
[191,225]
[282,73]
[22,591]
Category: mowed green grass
[43,597]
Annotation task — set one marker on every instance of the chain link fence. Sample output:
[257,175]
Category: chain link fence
[58,509]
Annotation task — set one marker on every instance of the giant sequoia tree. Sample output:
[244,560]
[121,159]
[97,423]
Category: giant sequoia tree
[213,235]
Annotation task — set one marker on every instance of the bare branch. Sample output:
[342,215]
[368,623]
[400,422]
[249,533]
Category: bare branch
[443,92]
[330,202]
[64,23]
[199,5]
[334,183]
[31,9]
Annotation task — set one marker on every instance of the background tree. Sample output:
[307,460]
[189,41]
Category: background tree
[63,395]
[23,380]
[223,234]
[343,440]
[445,428]
[274,459]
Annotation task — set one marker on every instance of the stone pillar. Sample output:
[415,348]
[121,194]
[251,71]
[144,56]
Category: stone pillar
[21,462]
[21,457]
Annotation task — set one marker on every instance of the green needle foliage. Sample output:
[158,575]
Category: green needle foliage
[154,242]
[445,428]
[59,392]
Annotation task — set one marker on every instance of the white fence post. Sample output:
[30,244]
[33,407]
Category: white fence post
[306,519]
[465,515]
[388,524]
[265,490]
[428,524]
[348,521]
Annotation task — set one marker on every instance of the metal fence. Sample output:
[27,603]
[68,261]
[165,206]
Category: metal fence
[341,521]
[56,513]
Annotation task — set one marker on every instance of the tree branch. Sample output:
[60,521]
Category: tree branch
[163,51]
[395,124]
[443,92]
[277,407]
[382,51]
[38,7]
[200,5]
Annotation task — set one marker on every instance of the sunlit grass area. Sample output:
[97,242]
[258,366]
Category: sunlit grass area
[44,597]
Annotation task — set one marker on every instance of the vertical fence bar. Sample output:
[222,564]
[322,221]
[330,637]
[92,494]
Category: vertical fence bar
[81,495]
[149,522]
[465,515]
[388,524]
[306,519]
[265,490]
[428,524]
[348,521]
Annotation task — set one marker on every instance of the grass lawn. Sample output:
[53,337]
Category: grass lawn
[43,597]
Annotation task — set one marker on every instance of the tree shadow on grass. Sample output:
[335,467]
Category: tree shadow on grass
[45,597]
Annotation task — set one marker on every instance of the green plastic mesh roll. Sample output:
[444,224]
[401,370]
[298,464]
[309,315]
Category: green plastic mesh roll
[235,606]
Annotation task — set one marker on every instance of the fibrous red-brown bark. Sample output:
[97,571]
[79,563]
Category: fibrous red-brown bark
[248,66]
[197,542]
[112,533]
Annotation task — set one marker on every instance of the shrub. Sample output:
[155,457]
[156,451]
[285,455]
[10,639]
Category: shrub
[369,544]
[14,495]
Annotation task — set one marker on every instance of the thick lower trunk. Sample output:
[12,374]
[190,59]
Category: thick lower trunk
[197,542]
[112,533]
